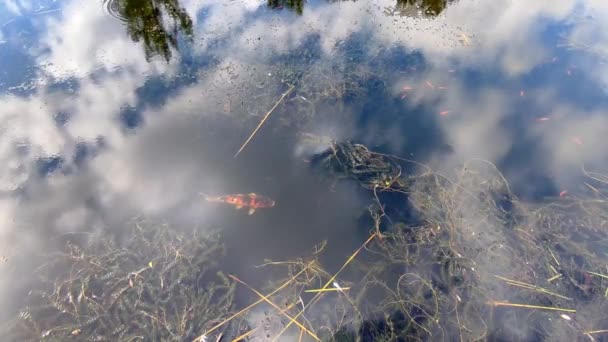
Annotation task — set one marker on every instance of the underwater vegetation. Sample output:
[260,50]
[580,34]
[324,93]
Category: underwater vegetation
[159,285]
[473,261]
[470,261]
[448,256]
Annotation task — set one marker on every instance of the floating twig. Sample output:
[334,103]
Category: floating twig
[329,282]
[265,298]
[243,336]
[596,332]
[259,301]
[601,276]
[532,287]
[328,290]
[291,88]
[597,274]
[526,306]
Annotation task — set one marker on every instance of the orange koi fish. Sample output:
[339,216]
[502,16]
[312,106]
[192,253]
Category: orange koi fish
[252,201]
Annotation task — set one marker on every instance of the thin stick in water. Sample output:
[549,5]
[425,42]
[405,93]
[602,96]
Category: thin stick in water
[597,332]
[265,298]
[329,282]
[526,306]
[255,303]
[243,336]
[328,290]
[291,88]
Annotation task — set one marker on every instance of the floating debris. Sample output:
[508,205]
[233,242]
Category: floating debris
[291,88]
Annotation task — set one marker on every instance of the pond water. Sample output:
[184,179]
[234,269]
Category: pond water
[114,111]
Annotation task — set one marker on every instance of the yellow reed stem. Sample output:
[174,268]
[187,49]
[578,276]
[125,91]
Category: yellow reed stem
[329,282]
[265,298]
[217,326]
[526,306]
[243,336]
[333,289]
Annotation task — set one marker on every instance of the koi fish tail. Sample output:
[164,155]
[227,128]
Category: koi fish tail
[211,198]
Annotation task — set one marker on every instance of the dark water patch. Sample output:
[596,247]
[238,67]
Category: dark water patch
[48,165]
[15,79]
[61,118]
[85,152]
[526,166]
[389,124]
[70,85]
[300,58]
[131,118]
[307,211]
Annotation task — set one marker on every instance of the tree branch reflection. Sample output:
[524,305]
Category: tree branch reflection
[145,22]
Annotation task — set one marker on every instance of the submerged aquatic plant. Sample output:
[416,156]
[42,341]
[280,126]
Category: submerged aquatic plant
[475,262]
[160,285]
[348,160]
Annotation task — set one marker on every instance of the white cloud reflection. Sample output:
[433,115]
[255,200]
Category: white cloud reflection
[16,6]
[84,39]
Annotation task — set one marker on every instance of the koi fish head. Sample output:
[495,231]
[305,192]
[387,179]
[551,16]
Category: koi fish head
[263,202]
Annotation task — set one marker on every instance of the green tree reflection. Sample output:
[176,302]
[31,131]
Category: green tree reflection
[429,8]
[145,21]
[294,5]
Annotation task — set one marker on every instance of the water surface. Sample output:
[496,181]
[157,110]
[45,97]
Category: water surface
[111,110]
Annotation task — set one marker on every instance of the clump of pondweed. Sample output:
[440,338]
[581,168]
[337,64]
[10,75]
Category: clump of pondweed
[478,263]
[160,285]
[355,161]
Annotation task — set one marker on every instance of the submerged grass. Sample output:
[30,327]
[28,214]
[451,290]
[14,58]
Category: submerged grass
[473,254]
[160,285]
[471,262]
